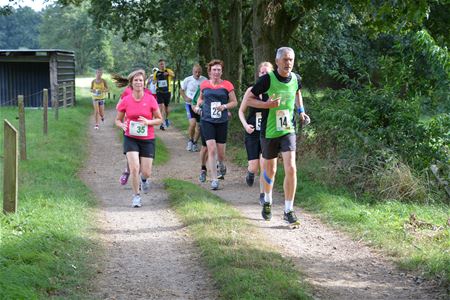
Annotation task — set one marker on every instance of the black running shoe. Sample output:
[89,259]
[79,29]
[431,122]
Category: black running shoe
[162,127]
[291,218]
[250,178]
[267,211]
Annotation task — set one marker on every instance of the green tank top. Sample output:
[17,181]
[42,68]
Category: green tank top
[280,119]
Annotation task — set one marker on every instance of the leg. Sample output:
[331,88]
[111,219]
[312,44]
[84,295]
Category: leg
[146,167]
[270,169]
[212,164]
[133,163]
[96,111]
[290,178]
[191,128]
[101,110]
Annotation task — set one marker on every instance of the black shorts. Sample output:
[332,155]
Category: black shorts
[253,145]
[190,113]
[146,148]
[214,131]
[163,98]
[271,147]
[202,137]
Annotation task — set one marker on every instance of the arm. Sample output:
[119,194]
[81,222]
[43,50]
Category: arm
[170,72]
[185,97]
[118,121]
[253,101]
[299,103]
[199,103]
[232,102]
[157,119]
[106,86]
[241,113]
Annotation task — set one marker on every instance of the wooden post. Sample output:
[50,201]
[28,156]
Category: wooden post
[72,93]
[64,95]
[10,168]
[22,131]
[55,103]
[45,104]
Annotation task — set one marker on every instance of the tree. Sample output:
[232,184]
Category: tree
[20,29]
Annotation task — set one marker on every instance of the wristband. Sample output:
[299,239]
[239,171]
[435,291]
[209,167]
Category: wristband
[301,110]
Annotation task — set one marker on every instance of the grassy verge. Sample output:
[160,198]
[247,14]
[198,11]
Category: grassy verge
[383,224]
[242,264]
[45,248]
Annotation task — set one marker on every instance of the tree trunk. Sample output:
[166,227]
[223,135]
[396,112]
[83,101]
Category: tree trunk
[233,63]
[217,46]
[272,28]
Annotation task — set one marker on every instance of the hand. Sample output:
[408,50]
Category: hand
[305,119]
[123,126]
[222,107]
[249,128]
[143,120]
[273,101]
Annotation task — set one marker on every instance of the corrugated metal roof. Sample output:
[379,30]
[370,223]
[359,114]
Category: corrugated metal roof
[4,51]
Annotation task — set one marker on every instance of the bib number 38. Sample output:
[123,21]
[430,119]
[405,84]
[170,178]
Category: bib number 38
[283,120]
[137,129]
[215,113]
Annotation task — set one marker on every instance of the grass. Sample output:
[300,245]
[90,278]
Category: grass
[382,224]
[242,264]
[45,248]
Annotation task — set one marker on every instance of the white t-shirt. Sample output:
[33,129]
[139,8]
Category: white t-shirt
[190,85]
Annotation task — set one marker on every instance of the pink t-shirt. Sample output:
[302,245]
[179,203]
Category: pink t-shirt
[134,109]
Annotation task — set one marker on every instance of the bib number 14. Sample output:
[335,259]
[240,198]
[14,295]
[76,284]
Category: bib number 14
[283,120]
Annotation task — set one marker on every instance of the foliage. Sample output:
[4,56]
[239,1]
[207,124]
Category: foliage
[20,29]
[71,28]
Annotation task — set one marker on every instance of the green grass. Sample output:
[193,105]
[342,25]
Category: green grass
[45,248]
[242,264]
[380,223]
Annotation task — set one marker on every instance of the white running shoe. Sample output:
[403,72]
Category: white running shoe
[136,202]
[189,146]
[215,184]
[195,148]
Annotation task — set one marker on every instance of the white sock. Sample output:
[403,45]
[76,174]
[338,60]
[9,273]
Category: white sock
[288,205]
[268,197]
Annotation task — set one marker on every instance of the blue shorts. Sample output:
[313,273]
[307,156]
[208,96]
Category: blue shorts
[100,102]
[190,113]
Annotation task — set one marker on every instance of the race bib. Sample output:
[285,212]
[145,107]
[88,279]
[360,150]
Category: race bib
[137,129]
[283,120]
[215,113]
[97,93]
[258,121]
[162,83]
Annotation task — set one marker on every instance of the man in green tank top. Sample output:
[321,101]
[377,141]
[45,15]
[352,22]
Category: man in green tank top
[277,128]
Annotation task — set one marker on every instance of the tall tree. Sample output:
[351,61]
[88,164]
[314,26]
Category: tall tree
[20,29]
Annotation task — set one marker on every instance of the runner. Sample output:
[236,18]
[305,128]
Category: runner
[188,88]
[277,129]
[163,78]
[142,113]
[252,126]
[151,84]
[98,89]
[217,97]
[203,149]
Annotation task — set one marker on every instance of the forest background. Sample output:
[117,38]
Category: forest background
[375,73]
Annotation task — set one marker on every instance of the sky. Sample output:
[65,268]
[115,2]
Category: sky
[37,5]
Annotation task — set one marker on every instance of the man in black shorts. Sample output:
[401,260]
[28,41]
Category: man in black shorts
[277,128]
[163,78]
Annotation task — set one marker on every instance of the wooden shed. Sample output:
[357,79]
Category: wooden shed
[28,72]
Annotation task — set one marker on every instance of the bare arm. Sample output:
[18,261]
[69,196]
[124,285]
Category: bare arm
[232,102]
[253,101]
[185,97]
[299,102]
[242,109]
[157,119]
[119,118]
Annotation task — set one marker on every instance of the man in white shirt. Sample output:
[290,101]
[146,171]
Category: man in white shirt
[188,88]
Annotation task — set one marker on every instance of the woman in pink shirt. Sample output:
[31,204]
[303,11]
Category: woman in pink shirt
[142,113]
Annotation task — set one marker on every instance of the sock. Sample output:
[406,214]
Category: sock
[261,195]
[288,205]
[203,168]
[143,179]
[268,197]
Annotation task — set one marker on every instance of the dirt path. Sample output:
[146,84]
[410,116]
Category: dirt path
[150,255]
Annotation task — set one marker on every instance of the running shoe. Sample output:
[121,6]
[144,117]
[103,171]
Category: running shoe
[136,202]
[261,199]
[221,171]
[103,119]
[96,127]
[124,177]
[215,184]
[291,218]
[250,178]
[195,147]
[145,185]
[189,146]
[167,123]
[267,211]
[162,127]
[202,176]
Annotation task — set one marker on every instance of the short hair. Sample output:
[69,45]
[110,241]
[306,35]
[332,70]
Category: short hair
[265,64]
[197,66]
[213,63]
[134,74]
[282,50]
[161,59]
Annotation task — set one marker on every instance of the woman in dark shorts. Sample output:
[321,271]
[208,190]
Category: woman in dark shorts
[216,98]
[252,126]
[143,114]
